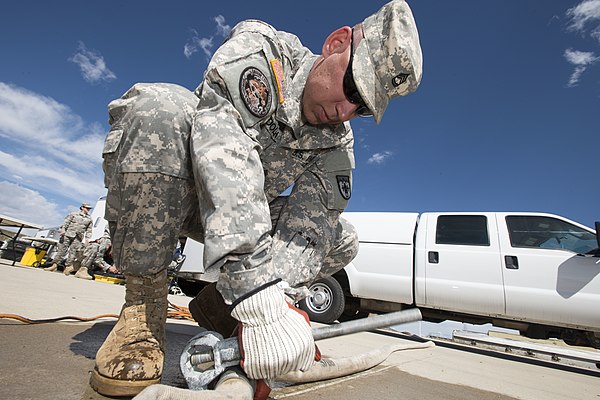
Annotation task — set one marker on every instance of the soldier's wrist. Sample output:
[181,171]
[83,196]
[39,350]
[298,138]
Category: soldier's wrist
[241,284]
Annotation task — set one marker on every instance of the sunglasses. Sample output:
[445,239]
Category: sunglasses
[350,89]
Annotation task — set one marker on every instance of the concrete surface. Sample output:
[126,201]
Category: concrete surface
[53,361]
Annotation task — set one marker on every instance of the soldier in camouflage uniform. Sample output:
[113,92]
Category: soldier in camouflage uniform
[268,115]
[93,257]
[75,231]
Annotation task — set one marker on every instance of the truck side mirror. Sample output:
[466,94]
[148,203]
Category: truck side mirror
[598,233]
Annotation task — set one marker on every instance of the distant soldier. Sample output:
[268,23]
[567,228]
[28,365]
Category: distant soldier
[76,229]
[93,257]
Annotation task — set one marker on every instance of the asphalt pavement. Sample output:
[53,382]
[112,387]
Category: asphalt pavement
[54,360]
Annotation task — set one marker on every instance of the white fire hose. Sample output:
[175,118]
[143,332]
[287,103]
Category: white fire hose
[234,385]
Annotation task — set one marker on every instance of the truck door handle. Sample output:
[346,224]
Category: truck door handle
[434,257]
[512,262]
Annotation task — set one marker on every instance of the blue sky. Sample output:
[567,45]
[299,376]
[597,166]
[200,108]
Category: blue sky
[506,118]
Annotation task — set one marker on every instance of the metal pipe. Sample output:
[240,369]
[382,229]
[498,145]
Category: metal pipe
[367,324]
[230,351]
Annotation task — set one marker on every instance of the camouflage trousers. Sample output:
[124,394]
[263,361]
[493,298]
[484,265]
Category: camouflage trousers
[147,212]
[93,257]
[69,247]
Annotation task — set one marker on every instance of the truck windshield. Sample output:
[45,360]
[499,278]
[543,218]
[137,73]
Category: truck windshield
[549,233]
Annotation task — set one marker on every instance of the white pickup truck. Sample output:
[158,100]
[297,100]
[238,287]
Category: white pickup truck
[537,273]
[533,272]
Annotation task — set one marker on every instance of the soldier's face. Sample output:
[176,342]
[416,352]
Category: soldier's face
[323,100]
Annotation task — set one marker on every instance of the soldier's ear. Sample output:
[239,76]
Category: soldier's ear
[337,42]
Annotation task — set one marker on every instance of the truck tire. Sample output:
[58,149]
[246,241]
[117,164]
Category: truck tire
[326,302]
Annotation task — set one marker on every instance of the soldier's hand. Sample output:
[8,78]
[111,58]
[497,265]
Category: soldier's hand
[275,337]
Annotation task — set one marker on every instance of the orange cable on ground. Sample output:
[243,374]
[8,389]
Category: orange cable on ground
[174,311]
[179,312]
[49,320]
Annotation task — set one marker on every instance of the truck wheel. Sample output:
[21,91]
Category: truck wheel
[326,301]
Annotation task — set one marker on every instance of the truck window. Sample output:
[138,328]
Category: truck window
[462,230]
[549,233]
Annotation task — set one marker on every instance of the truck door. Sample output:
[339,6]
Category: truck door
[462,264]
[548,277]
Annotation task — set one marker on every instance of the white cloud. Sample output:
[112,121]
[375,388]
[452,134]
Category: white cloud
[380,158]
[45,127]
[580,57]
[46,148]
[205,44]
[28,205]
[581,60]
[92,65]
[583,17]
[575,76]
[196,43]
[222,28]
[50,175]
[586,12]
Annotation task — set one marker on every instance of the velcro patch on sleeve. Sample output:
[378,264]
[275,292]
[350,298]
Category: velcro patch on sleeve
[279,78]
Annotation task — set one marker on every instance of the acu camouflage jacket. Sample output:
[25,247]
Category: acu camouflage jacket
[250,102]
[78,225]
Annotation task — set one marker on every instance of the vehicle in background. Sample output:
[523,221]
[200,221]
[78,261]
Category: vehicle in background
[534,272]
[98,221]
[48,233]
[14,249]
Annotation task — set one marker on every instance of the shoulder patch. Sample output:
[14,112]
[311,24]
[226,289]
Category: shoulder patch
[255,92]
[343,182]
[399,79]
[278,72]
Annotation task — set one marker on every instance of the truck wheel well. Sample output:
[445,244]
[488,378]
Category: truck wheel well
[343,280]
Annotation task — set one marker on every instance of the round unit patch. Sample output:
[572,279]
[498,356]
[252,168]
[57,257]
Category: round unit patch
[255,92]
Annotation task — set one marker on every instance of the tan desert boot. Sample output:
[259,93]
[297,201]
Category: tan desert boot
[68,270]
[132,355]
[52,268]
[82,273]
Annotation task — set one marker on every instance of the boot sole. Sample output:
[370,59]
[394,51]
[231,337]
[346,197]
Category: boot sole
[117,387]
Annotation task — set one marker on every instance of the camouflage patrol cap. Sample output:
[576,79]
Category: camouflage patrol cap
[387,62]
[85,205]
